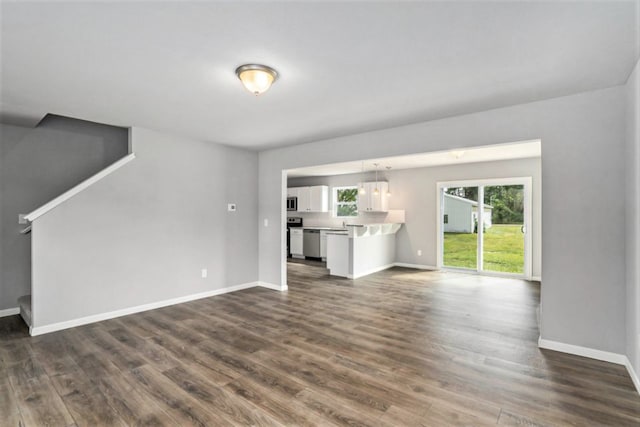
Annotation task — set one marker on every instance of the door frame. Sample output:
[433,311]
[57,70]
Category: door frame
[526,182]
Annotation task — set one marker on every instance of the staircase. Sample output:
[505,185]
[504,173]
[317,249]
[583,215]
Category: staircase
[25,308]
[24,302]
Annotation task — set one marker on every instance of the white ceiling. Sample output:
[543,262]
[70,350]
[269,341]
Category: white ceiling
[517,150]
[345,67]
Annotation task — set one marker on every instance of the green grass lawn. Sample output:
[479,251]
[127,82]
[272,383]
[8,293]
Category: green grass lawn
[503,249]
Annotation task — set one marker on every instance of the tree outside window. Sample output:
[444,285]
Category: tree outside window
[345,201]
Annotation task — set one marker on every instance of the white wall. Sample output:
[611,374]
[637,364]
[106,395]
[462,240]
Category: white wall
[583,139]
[142,234]
[414,191]
[37,165]
[417,192]
[632,195]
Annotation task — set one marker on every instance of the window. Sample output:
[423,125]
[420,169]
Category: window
[446,218]
[345,201]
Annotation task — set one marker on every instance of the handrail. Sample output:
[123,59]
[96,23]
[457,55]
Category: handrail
[78,188]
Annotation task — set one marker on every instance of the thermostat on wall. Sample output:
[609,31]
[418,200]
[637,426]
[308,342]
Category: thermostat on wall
[231,207]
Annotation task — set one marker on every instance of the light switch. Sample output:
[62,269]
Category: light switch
[231,207]
[21,219]
[266,222]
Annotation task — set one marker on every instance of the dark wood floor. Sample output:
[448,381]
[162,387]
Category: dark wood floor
[401,347]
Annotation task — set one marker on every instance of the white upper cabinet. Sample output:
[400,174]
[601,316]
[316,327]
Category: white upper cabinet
[319,198]
[311,199]
[372,202]
[304,199]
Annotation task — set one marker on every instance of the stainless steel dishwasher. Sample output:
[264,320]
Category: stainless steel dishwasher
[311,243]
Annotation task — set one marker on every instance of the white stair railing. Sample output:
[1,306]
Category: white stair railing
[78,188]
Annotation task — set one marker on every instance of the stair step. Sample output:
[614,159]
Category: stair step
[25,308]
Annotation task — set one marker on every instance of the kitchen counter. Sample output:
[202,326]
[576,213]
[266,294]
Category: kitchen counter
[324,228]
[374,229]
[362,250]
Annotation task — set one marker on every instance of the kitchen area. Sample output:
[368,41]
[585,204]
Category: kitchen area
[348,229]
[310,241]
[355,219]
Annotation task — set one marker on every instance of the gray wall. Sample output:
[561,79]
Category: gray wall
[37,165]
[142,234]
[414,191]
[632,194]
[583,199]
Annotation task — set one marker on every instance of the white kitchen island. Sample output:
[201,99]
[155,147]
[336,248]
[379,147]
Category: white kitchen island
[362,249]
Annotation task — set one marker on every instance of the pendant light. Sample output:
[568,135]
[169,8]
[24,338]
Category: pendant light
[376,192]
[256,78]
[388,186]
[362,190]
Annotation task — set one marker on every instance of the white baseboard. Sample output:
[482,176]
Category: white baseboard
[370,271]
[434,268]
[618,359]
[272,286]
[9,311]
[633,374]
[416,266]
[39,330]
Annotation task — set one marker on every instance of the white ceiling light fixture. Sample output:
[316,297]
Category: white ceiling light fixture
[256,78]
[388,186]
[362,190]
[457,153]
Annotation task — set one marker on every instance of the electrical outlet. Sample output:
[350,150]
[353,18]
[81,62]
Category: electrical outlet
[231,207]
[204,273]
[419,252]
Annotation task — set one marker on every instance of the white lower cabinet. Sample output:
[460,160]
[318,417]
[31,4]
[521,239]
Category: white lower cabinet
[296,242]
[323,244]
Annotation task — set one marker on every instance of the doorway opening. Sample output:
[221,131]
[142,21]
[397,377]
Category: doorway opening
[483,226]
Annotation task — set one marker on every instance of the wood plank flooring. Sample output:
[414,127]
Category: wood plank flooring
[398,348]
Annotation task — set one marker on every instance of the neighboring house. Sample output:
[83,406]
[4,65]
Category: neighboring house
[460,214]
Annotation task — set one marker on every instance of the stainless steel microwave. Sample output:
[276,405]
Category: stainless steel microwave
[292,203]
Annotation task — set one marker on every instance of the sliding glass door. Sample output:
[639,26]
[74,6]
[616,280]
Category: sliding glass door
[503,229]
[483,226]
[459,227]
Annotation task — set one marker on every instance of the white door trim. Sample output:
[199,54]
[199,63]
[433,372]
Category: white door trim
[526,182]
[283,230]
